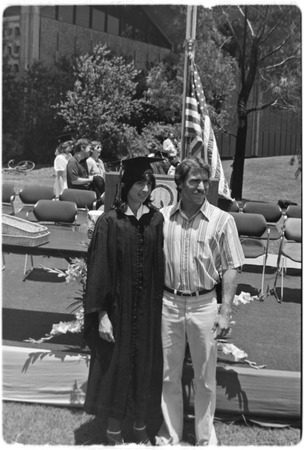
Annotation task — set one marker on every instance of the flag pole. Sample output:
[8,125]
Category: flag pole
[189,59]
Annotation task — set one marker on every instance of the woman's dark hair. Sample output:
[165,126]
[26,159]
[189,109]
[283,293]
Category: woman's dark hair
[121,198]
[183,169]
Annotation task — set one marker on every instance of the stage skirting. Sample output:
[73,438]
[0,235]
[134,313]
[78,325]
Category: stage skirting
[56,377]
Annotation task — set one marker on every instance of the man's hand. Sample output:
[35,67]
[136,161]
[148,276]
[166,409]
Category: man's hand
[221,326]
[222,322]
[105,327]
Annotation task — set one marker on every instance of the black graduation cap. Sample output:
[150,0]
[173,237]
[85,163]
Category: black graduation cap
[134,168]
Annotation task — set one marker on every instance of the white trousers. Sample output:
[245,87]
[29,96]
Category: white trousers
[189,319]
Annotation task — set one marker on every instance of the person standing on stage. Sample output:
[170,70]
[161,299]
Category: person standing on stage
[202,250]
[169,145]
[96,168]
[123,307]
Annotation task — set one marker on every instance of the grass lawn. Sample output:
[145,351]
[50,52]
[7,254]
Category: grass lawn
[40,425]
[265,179]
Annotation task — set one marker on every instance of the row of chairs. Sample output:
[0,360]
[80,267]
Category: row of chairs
[257,224]
[39,205]
[36,206]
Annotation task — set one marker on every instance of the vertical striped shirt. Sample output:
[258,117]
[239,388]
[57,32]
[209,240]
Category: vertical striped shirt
[198,249]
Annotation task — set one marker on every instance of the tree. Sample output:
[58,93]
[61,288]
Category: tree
[30,129]
[266,42]
[12,96]
[43,87]
[102,101]
[217,70]
[164,90]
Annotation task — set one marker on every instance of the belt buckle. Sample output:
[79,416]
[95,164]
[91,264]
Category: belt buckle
[186,293]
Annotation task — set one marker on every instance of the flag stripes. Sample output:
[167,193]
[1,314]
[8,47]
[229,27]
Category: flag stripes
[199,135]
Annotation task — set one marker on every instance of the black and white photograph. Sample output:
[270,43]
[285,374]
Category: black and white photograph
[151,224]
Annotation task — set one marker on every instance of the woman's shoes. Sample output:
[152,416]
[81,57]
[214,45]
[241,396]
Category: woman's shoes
[114,437]
[140,435]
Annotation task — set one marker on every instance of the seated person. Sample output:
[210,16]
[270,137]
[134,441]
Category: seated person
[77,175]
[96,168]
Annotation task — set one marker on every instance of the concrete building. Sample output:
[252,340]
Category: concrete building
[44,33]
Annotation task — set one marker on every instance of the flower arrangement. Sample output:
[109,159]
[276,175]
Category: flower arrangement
[77,272]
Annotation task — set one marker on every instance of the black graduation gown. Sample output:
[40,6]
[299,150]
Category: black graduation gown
[125,278]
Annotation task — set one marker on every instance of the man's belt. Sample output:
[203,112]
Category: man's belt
[187,293]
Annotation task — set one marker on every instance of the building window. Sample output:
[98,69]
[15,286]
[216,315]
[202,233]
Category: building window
[7,31]
[113,25]
[83,16]
[66,13]
[98,20]
[16,49]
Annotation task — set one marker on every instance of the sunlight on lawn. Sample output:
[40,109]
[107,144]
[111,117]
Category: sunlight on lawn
[268,179]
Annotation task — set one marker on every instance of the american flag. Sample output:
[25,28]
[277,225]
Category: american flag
[199,136]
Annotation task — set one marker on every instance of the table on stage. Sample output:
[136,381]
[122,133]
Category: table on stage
[64,242]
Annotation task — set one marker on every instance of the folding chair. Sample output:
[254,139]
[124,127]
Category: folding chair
[290,248]
[8,198]
[228,205]
[51,212]
[291,211]
[234,207]
[30,195]
[294,211]
[251,227]
[272,213]
[85,200]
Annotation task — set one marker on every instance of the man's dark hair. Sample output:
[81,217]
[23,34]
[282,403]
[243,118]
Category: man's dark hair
[80,144]
[183,169]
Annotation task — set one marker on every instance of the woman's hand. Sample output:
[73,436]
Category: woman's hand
[105,327]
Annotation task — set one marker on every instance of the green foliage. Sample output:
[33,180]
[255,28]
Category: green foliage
[128,109]
[29,126]
[218,75]
[164,92]
[153,133]
[266,42]
[43,87]
[102,100]
[11,107]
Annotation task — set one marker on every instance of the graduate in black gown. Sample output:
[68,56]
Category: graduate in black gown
[123,307]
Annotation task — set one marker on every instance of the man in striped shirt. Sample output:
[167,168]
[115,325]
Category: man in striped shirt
[202,249]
